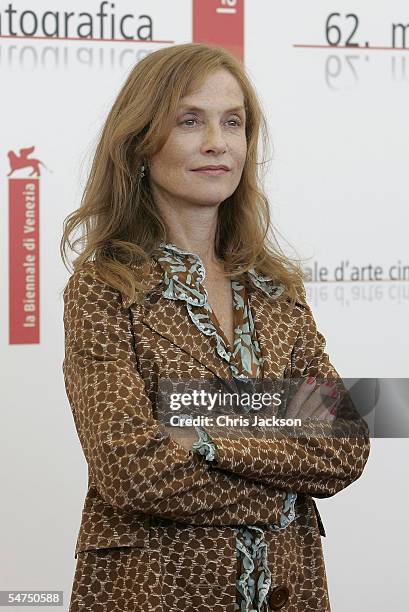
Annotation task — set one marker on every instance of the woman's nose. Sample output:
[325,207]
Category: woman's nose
[214,138]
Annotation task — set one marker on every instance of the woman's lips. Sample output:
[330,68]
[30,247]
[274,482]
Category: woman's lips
[211,172]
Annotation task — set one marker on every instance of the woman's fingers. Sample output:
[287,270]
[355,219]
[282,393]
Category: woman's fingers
[327,412]
[312,400]
[300,397]
[325,415]
[328,408]
[302,394]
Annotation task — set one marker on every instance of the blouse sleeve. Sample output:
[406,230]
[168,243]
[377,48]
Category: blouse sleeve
[205,446]
[327,457]
[133,462]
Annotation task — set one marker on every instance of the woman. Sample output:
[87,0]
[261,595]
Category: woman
[175,281]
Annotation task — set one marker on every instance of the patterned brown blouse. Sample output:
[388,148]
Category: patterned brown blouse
[183,276]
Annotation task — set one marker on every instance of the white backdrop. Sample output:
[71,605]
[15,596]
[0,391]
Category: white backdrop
[338,192]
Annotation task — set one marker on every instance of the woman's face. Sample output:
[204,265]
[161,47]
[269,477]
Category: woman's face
[209,129]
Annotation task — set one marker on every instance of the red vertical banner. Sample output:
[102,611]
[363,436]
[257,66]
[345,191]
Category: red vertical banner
[24,261]
[220,23]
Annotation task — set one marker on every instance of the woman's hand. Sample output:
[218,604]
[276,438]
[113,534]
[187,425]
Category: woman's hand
[316,401]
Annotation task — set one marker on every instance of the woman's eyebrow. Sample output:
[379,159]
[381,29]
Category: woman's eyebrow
[187,107]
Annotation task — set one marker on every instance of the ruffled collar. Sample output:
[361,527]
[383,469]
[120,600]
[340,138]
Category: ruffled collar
[184,273]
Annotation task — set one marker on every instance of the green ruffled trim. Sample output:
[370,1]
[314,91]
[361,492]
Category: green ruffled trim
[250,546]
[250,540]
[204,445]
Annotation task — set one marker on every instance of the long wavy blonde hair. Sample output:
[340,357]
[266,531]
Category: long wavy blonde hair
[119,223]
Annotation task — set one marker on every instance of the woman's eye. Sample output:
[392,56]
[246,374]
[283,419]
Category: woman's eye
[236,121]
